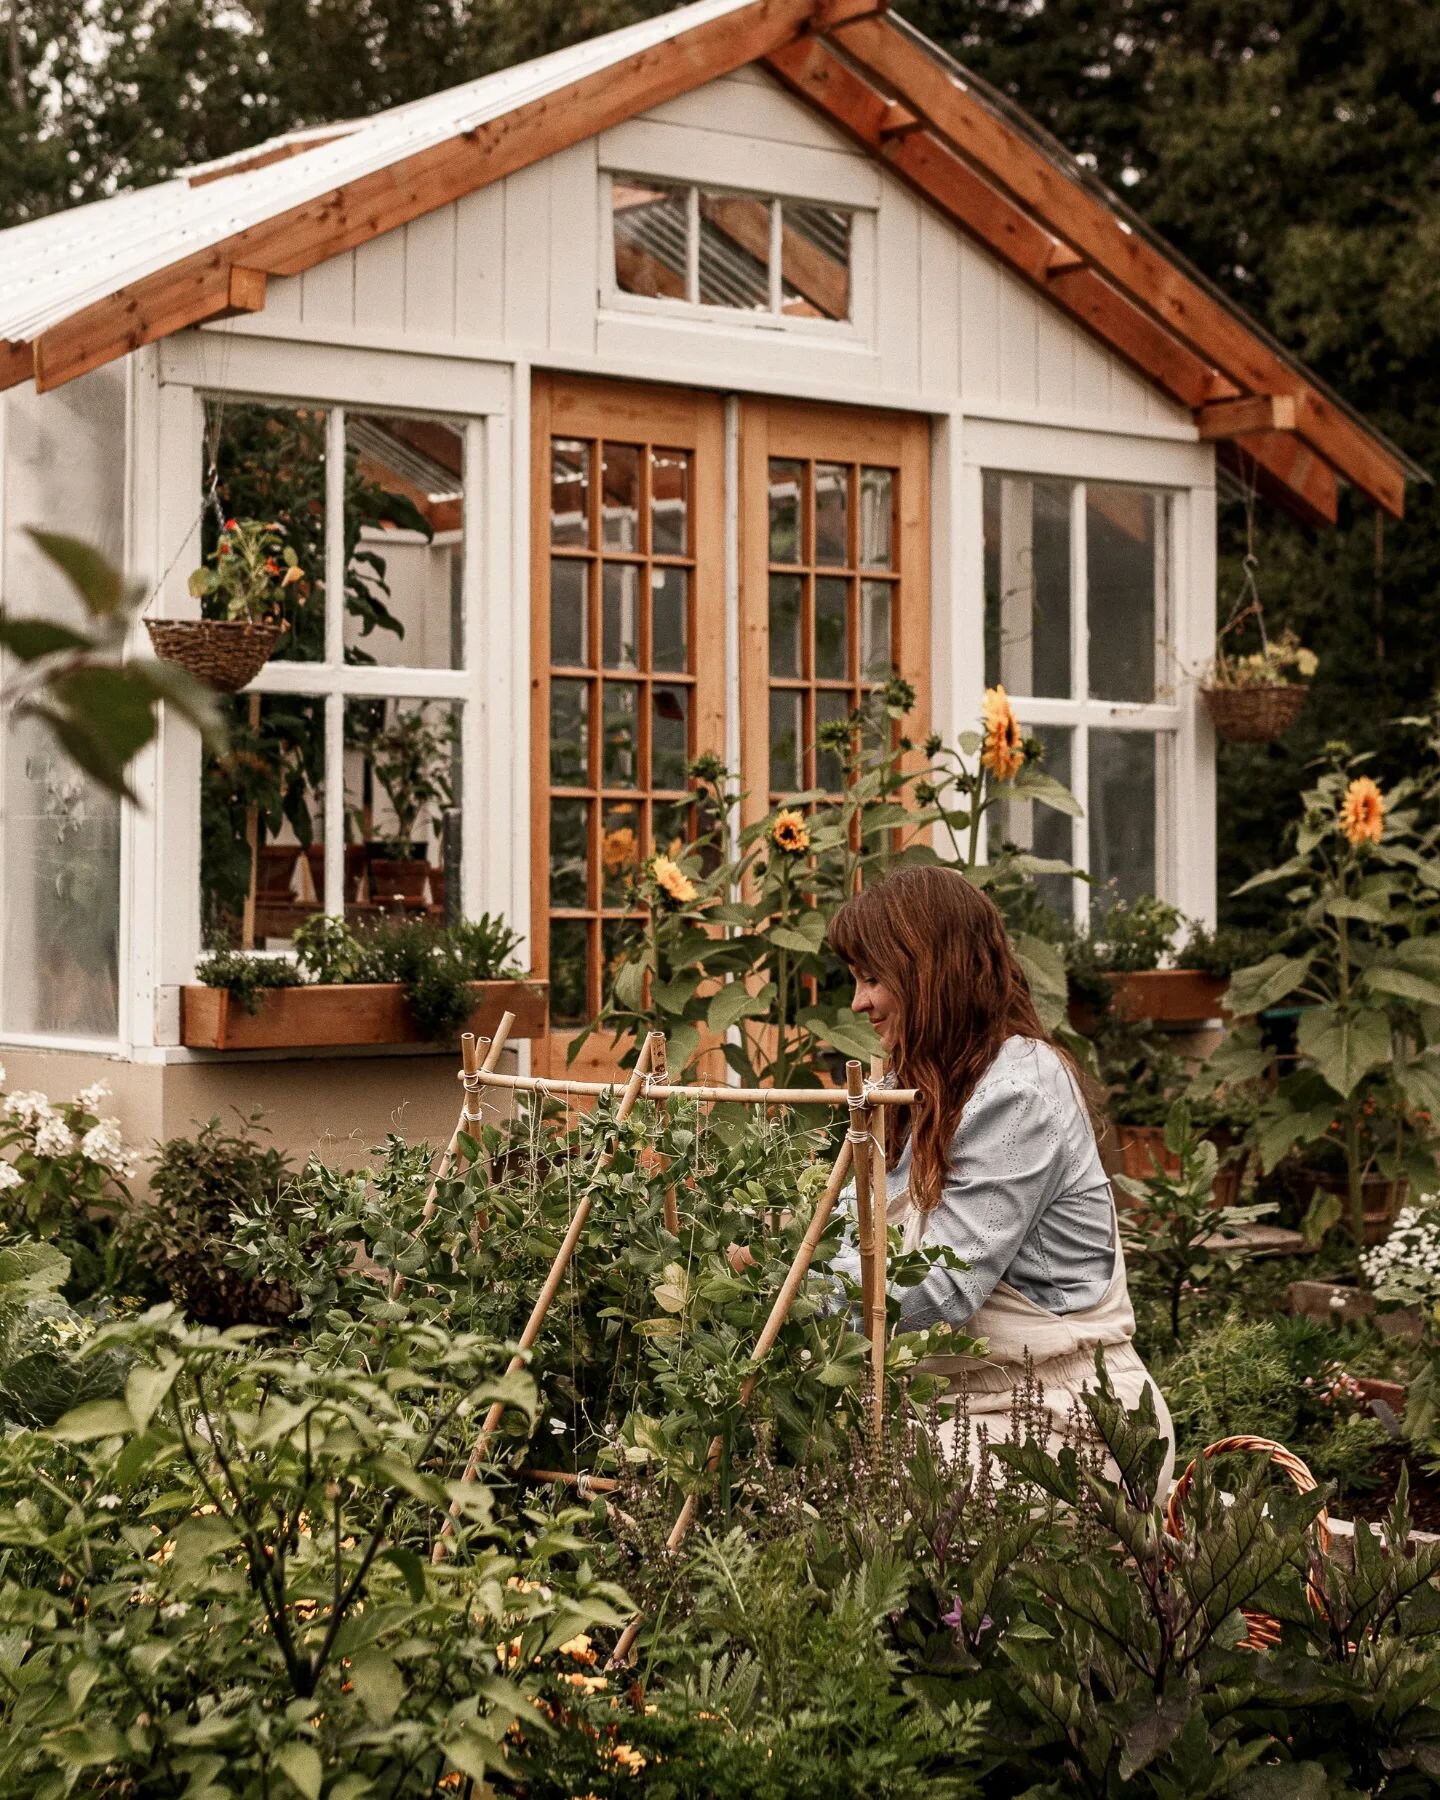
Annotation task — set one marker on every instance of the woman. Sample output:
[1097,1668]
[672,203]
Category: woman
[996,1159]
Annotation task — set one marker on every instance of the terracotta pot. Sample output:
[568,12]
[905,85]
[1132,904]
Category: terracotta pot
[1381,1197]
[398,880]
[275,870]
[1142,1151]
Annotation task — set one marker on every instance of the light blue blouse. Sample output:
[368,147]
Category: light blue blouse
[1024,1197]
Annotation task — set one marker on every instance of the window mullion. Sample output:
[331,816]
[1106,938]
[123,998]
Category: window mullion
[334,807]
[692,245]
[777,299]
[1080,827]
[335,537]
[1080,688]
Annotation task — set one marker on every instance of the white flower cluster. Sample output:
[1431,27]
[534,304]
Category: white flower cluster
[29,1109]
[1407,1264]
[54,1137]
[91,1096]
[10,1176]
[103,1144]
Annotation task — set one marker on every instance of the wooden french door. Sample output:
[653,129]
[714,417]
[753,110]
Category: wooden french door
[628,660]
[835,581]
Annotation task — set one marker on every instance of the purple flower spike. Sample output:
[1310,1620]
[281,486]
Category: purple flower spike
[955,1619]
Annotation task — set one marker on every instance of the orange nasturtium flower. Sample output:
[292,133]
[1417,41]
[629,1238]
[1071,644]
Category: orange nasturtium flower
[670,879]
[790,833]
[1362,813]
[1003,753]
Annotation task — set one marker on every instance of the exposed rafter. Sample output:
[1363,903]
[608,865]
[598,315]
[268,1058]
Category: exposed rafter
[1246,414]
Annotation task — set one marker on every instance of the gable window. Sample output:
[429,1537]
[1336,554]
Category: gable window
[717,247]
[1077,616]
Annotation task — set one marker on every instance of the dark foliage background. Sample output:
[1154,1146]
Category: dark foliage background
[1291,148]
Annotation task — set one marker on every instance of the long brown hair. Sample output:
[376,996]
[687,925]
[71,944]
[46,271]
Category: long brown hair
[939,945]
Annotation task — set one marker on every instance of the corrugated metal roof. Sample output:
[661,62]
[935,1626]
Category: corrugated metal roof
[52,267]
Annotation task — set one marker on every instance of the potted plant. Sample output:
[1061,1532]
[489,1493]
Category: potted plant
[1127,961]
[410,758]
[240,599]
[1255,699]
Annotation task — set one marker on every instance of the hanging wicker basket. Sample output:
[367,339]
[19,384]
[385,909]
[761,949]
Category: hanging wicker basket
[1254,715]
[226,654]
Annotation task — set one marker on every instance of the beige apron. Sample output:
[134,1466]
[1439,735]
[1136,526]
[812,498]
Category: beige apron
[1062,1350]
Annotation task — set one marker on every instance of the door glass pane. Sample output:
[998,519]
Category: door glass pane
[569,1004]
[569,492]
[787,774]
[404,512]
[651,229]
[620,497]
[669,736]
[1124,559]
[734,251]
[673,826]
[569,852]
[620,939]
[569,612]
[569,732]
[877,519]
[619,851]
[814,261]
[620,584]
[832,513]
[876,653]
[670,502]
[1038,830]
[669,619]
[785,595]
[1027,585]
[402,803]
[831,654]
[270,469]
[620,734]
[829,768]
[1124,785]
[787,488]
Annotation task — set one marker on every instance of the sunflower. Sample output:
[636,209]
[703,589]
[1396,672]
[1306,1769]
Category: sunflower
[618,850]
[790,833]
[1004,750]
[1362,813]
[668,877]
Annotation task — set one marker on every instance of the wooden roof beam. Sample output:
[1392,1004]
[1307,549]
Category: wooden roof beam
[899,121]
[139,315]
[1119,253]
[17,363]
[1246,415]
[817,75]
[1284,472]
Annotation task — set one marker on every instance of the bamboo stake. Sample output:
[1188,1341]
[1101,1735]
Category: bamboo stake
[784,1300]
[864,1222]
[880,1213]
[822,1096]
[659,1069]
[582,1483]
[633,1089]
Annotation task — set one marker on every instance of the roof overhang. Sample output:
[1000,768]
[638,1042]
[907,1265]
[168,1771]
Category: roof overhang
[961,147]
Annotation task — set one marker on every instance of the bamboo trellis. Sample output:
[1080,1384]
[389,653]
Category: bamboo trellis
[861,1150]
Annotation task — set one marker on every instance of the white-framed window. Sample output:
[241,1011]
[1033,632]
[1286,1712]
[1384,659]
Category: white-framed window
[1079,624]
[729,254]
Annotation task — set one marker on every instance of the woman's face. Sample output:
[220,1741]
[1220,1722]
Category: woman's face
[874,1001]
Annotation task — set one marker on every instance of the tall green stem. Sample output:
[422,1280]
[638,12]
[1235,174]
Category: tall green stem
[977,812]
[1354,1172]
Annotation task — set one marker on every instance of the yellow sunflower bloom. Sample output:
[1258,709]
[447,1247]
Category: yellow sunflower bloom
[671,879]
[1362,813]
[790,833]
[1003,753]
[619,850]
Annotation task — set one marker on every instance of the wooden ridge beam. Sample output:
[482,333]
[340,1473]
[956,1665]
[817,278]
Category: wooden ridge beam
[1111,248]
[813,71]
[352,214]
[1245,415]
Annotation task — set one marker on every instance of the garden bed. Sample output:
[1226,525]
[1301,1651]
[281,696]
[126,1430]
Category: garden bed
[332,1015]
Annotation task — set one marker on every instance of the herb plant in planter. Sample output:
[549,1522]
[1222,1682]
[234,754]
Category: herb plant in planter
[241,600]
[410,758]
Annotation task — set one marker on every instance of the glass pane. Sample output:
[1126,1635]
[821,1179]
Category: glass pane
[787,725]
[569,492]
[1027,584]
[620,586]
[877,655]
[785,596]
[569,733]
[1038,830]
[877,518]
[669,619]
[569,852]
[673,826]
[1124,786]
[1125,570]
[620,497]
[620,734]
[620,939]
[734,251]
[569,612]
[262,823]
[59,834]
[670,502]
[669,736]
[402,802]
[814,261]
[619,852]
[831,599]
[787,488]
[832,513]
[270,469]
[651,221]
[829,768]
[569,955]
[404,512]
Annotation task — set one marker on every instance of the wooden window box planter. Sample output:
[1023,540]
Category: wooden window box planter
[1169,996]
[335,1016]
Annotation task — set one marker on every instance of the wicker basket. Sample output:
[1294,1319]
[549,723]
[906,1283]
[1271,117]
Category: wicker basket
[1264,1631]
[224,653]
[1254,715]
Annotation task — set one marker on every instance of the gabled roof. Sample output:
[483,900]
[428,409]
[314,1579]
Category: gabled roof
[86,286]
